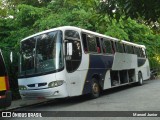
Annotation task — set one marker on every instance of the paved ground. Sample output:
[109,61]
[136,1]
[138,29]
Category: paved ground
[126,98]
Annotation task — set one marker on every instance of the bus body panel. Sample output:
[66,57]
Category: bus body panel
[123,61]
[32,82]
[49,93]
[76,80]
[98,66]
[144,69]
[37,87]
[107,80]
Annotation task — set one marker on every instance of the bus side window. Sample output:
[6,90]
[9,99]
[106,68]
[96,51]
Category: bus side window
[92,47]
[124,49]
[119,47]
[103,46]
[132,48]
[113,47]
[137,51]
[142,52]
[72,34]
[107,47]
[129,49]
[73,61]
[84,40]
[98,45]
[145,52]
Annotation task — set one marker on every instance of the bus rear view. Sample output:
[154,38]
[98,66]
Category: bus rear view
[5,93]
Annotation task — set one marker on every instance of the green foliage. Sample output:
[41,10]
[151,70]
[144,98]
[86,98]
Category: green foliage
[117,31]
[147,10]
[27,15]
[35,3]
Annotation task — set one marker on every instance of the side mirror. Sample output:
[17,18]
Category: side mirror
[69,49]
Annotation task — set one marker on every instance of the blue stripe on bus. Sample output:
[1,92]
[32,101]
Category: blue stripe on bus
[98,65]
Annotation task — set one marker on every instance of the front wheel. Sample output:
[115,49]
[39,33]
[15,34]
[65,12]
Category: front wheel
[140,79]
[95,89]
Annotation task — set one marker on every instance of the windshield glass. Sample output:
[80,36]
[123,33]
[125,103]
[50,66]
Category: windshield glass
[41,54]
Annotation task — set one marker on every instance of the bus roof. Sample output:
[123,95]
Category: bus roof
[63,28]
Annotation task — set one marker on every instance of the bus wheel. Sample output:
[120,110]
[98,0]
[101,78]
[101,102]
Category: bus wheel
[95,92]
[140,79]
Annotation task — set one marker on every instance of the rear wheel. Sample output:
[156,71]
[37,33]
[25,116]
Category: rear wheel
[95,89]
[140,79]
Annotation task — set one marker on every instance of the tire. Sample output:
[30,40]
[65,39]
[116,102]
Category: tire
[140,79]
[95,89]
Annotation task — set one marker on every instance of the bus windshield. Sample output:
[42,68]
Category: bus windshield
[41,54]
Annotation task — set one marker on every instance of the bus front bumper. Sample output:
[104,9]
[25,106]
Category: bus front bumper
[45,93]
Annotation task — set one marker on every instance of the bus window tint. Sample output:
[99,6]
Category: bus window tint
[137,51]
[129,49]
[107,47]
[28,56]
[144,52]
[92,47]
[98,45]
[124,48]
[113,47]
[119,47]
[72,34]
[84,40]
[73,63]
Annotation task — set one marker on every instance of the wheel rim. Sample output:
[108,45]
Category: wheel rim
[95,88]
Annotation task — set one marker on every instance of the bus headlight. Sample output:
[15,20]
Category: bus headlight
[22,87]
[55,83]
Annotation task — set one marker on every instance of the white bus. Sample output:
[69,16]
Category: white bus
[69,61]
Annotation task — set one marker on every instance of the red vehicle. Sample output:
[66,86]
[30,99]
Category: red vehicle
[5,93]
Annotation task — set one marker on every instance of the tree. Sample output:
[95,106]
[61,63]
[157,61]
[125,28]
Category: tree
[147,10]
[35,3]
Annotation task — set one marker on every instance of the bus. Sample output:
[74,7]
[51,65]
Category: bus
[5,93]
[69,61]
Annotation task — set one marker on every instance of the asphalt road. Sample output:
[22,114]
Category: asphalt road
[125,98]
